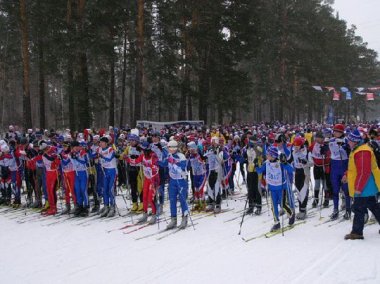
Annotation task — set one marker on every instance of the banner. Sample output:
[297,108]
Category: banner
[348,96]
[318,88]
[336,96]
[370,96]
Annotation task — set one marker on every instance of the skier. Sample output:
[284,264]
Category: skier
[278,173]
[68,176]
[215,165]
[158,147]
[254,160]
[339,162]
[51,163]
[301,162]
[80,160]
[363,178]
[131,153]
[178,185]
[149,161]
[198,169]
[94,160]
[320,153]
[109,169]
[5,186]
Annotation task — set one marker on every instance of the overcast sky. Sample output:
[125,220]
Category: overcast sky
[365,15]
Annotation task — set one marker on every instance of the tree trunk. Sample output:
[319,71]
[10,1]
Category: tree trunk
[123,79]
[41,86]
[27,113]
[111,118]
[83,99]
[139,86]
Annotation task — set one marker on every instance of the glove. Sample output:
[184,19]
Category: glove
[256,163]
[283,159]
[171,160]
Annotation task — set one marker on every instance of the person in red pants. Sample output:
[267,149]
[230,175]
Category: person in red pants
[68,177]
[149,161]
[51,163]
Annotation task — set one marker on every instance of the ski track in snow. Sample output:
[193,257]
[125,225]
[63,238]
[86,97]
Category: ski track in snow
[66,252]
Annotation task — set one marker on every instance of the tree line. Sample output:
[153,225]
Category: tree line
[81,64]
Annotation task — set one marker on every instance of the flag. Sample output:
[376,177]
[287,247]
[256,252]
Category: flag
[348,96]
[318,88]
[330,115]
[330,88]
[370,96]
[336,96]
[344,89]
[360,89]
[374,89]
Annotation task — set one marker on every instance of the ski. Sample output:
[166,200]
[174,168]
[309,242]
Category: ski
[339,221]
[286,228]
[271,234]
[173,231]
[138,228]
[152,234]
[124,227]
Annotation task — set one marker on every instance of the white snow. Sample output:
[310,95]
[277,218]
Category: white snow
[32,252]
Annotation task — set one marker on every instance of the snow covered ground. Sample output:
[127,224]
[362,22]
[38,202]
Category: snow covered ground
[69,252]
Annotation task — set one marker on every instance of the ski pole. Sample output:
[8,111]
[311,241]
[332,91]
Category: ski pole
[242,219]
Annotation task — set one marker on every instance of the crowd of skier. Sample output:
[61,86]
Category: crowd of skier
[276,162]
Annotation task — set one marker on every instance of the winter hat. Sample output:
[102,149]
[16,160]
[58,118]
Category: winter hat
[319,134]
[104,139]
[173,144]
[339,128]
[298,141]
[273,151]
[354,136]
[146,146]
[192,145]
[5,148]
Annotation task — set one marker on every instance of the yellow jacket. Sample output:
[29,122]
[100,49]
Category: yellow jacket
[352,170]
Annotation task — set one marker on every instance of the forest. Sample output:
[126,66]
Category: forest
[81,64]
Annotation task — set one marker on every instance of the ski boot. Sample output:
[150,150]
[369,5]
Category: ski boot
[275,227]
[84,212]
[217,209]
[152,220]
[111,212]
[104,211]
[334,215]
[143,218]
[210,207]
[46,207]
[326,203]
[347,215]
[353,236]
[134,207]
[301,215]
[140,208]
[67,209]
[95,209]
[315,203]
[78,210]
[172,224]
[292,218]
[249,211]
[183,224]
[258,211]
